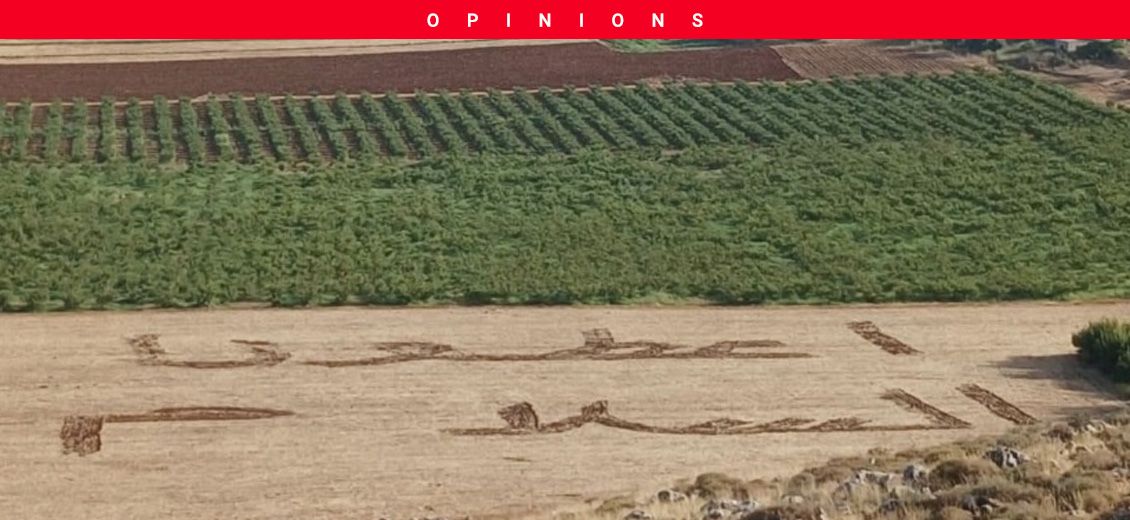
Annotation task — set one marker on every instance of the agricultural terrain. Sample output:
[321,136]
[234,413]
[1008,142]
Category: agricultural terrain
[966,186]
[537,174]
[968,106]
[13,52]
[465,68]
[358,413]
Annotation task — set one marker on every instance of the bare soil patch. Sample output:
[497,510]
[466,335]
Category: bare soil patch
[474,69]
[597,423]
[118,51]
[996,404]
[1099,83]
[890,344]
[831,59]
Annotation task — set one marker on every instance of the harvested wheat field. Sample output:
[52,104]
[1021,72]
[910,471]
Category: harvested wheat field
[354,413]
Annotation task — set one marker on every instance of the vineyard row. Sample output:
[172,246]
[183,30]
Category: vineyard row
[968,106]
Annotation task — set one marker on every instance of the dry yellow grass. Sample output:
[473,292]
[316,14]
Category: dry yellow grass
[370,439]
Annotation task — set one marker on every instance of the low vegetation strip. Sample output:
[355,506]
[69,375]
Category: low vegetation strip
[970,106]
[936,219]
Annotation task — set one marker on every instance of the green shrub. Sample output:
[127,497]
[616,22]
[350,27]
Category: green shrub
[1105,345]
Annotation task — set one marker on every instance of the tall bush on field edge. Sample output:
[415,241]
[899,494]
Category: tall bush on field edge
[1106,345]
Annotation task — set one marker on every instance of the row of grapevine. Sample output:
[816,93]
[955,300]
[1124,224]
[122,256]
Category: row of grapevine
[570,118]
[964,106]
[500,132]
[352,121]
[545,121]
[220,130]
[331,128]
[166,134]
[247,130]
[522,126]
[307,137]
[441,127]
[276,134]
[78,125]
[135,131]
[644,133]
[190,131]
[379,120]
[410,123]
[467,124]
[107,131]
[53,133]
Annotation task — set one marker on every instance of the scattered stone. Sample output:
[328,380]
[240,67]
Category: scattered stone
[638,515]
[747,506]
[890,505]
[1006,458]
[905,493]
[670,495]
[915,474]
[722,504]
[1121,512]
[978,505]
[877,478]
[715,514]
[792,500]
[787,513]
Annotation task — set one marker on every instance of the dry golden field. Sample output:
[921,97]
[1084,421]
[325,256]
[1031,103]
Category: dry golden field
[360,412]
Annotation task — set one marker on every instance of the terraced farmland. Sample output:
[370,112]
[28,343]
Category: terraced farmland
[967,106]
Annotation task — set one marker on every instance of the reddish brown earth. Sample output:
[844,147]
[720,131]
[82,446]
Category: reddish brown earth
[475,69]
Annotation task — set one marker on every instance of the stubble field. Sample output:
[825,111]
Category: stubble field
[356,412]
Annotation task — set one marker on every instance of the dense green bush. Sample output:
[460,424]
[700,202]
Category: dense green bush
[1106,345]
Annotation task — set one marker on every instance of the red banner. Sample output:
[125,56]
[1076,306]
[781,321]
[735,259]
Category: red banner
[658,19]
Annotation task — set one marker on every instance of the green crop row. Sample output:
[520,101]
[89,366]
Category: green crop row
[972,107]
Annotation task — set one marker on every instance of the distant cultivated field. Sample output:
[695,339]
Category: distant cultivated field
[363,412]
[969,106]
[470,67]
[119,51]
[821,61]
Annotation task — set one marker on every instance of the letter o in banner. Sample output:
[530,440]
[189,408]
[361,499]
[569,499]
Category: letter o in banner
[617,20]
[433,20]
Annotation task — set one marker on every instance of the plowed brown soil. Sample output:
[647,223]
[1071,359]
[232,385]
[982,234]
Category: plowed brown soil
[116,51]
[366,441]
[475,69]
